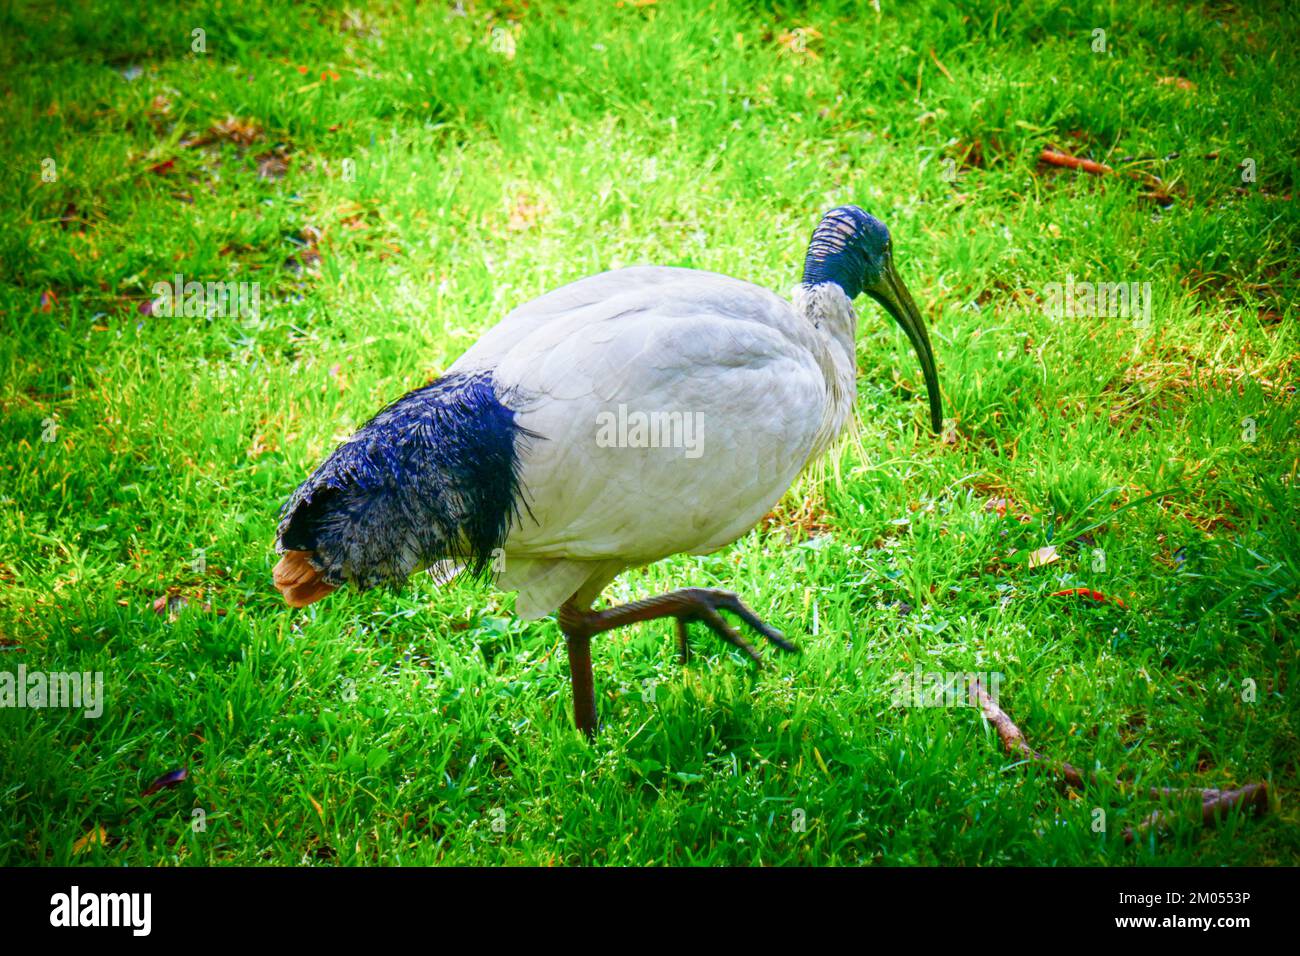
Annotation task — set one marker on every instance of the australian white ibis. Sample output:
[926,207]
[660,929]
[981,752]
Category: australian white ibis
[620,419]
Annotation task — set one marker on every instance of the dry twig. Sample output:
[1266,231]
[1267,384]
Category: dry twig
[1156,189]
[1214,803]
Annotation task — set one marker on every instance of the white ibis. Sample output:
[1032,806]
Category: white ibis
[625,417]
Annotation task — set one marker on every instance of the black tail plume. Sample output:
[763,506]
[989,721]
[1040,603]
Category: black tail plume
[434,475]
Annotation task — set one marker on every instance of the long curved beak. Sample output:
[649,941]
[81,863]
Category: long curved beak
[891,293]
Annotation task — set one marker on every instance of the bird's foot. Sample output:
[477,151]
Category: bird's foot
[580,625]
[703,605]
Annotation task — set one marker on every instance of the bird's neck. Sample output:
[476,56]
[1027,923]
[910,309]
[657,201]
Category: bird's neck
[834,323]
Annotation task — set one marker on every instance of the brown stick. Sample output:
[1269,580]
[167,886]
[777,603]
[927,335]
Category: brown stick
[1056,158]
[1214,803]
[1013,741]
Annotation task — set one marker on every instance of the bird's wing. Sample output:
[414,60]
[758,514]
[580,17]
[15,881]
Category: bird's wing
[728,368]
[635,289]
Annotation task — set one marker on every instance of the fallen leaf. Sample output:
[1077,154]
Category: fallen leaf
[171,605]
[241,132]
[998,505]
[1088,593]
[272,166]
[1043,556]
[96,837]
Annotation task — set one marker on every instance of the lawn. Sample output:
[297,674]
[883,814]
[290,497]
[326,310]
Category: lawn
[396,178]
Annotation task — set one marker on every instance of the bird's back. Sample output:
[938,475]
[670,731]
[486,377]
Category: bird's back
[671,409]
[631,291]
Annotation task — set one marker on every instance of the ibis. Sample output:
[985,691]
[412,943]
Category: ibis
[625,417]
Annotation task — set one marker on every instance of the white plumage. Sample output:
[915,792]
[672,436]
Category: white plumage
[620,419]
[769,387]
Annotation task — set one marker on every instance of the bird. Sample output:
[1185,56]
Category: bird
[625,417]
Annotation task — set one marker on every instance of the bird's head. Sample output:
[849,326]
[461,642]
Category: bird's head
[852,249]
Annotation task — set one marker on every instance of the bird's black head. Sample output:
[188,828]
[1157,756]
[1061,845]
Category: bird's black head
[852,249]
[849,247]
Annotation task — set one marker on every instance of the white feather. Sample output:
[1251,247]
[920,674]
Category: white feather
[769,383]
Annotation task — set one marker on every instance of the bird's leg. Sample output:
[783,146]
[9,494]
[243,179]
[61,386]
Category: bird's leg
[688,604]
[584,687]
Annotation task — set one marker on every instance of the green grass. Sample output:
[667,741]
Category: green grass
[383,728]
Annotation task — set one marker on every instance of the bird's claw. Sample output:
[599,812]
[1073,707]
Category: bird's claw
[705,606]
